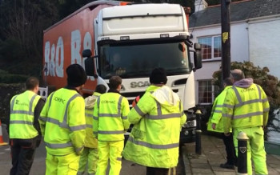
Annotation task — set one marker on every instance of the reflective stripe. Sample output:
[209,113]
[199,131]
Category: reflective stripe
[220,106]
[228,106]
[50,100]
[218,111]
[119,158]
[264,100]
[153,146]
[88,126]
[138,110]
[58,145]
[89,108]
[159,113]
[248,102]
[164,116]
[95,118]
[241,103]
[22,112]
[237,95]
[64,122]
[110,132]
[266,110]
[66,109]
[248,115]
[77,128]
[119,105]
[44,119]
[56,122]
[21,122]
[112,115]
[260,94]
[89,115]
[31,103]
[98,103]
[79,149]
[95,132]
[12,111]
[227,115]
[108,115]
[63,125]
[12,104]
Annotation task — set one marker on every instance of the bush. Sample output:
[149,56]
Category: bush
[7,91]
[269,83]
[12,78]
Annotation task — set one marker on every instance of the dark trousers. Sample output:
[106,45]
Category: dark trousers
[22,153]
[230,150]
[157,171]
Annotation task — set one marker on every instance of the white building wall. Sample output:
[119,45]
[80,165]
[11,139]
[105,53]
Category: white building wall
[264,39]
[239,48]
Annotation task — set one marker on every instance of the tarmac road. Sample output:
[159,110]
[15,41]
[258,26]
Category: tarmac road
[39,167]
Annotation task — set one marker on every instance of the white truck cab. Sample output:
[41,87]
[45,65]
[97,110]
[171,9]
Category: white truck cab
[134,39]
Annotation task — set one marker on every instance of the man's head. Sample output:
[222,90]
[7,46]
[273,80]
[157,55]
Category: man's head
[100,89]
[158,76]
[32,84]
[227,82]
[237,75]
[115,83]
[76,75]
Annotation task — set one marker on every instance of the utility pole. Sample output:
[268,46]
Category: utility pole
[225,19]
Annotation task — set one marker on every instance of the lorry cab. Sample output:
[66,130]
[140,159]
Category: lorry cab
[134,39]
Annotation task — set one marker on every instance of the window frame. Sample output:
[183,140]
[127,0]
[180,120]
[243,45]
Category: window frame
[212,48]
[213,90]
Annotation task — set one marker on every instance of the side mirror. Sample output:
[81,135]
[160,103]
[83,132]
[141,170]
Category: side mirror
[87,53]
[197,56]
[89,63]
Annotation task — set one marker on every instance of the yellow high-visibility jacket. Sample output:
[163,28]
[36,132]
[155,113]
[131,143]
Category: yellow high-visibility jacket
[110,117]
[216,113]
[246,105]
[62,122]
[154,139]
[90,141]
[21,125]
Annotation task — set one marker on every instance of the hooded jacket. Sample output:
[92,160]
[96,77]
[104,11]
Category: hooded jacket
[216,113]
[154,139]
[246,105]
[90,141]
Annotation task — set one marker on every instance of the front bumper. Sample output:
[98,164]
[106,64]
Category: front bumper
[187,135]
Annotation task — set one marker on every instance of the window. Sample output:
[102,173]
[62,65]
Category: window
[206,91]
[211,47]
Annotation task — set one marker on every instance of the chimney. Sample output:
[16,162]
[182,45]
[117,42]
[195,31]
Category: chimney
[200,5]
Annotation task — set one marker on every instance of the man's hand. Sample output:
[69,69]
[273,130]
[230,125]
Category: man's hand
[214,126]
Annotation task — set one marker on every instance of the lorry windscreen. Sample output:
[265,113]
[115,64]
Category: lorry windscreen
[138,60]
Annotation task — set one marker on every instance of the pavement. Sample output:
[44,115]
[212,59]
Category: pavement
[212,155]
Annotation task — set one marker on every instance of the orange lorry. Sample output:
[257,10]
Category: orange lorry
[65,41]
[128,40]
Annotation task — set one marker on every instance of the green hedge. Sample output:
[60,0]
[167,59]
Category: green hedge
[12,78]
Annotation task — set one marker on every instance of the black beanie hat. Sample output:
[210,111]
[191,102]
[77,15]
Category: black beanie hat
[76,75]
[158,76]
